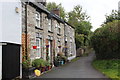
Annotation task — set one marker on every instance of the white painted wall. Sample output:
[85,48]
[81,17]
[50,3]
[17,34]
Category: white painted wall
[10,25]
[0,22]
[0,41]
[0,62]
[11,22]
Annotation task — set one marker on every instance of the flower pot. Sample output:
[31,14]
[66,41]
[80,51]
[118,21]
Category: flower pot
[56,63]
[42,69]
[26,73]
[49,67]
[46,69]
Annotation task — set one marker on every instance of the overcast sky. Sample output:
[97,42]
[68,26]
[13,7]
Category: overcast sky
[97,9]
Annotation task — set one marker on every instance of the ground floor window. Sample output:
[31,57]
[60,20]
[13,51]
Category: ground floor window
[39,47]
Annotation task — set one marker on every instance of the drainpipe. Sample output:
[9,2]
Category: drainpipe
[26,56]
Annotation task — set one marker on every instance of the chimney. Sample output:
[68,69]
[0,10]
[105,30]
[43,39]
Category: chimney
[119,6]
[41,2]
[56,11]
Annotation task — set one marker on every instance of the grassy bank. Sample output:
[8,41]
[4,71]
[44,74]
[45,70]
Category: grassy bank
[75,59]
[110,68]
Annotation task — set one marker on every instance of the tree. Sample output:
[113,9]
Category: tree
[52,5]
[77,15]
[115,15]
[106,39]
[80,20]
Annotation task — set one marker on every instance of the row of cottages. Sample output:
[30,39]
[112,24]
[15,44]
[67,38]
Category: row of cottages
[28,29]
[45,34]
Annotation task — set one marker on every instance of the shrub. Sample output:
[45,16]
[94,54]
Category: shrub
[60,57]
[105,41]
[47,63]
[26,64]
[38,63]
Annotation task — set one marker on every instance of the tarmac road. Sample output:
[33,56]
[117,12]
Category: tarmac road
[81,68]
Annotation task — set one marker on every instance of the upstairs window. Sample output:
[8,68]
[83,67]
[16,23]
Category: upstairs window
[37,20]
[59,29]
[49,25]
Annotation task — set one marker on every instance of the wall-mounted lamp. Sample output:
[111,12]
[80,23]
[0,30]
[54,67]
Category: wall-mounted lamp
[17,10]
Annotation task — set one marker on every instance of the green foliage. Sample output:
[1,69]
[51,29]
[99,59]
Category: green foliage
[77,15]
[39,63]
[78,18]
[26,64]
[108,67]
[47,63]
[115,15]
[75,59]
[79,38]
[52,5]
[61,57]
[105,41]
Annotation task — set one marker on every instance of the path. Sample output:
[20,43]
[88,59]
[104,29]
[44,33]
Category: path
[78,69]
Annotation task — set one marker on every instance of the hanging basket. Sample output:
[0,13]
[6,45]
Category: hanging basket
[34,47]
[59,46]
[47,46]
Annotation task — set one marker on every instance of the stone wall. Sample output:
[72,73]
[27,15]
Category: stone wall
[46,35]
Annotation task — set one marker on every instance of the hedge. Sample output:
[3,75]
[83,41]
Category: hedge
[106,41]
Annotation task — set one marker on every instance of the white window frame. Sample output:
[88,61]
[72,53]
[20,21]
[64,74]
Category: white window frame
[49,25]
[37,16]
[39,47]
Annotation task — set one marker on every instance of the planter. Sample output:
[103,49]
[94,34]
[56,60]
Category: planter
[43,69]
[59,46]
[62,62]
[47,46]
[49,67]
[26,73]
[46,69]
[57,63]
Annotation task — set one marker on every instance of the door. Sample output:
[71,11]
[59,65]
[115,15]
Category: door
[50,51]
[10,61]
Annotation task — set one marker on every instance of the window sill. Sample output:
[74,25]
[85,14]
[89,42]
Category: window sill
[38,28]
[50,31]
[58,34]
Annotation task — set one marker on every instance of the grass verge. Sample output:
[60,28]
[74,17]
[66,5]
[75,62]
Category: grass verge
[110,68]
[75,59]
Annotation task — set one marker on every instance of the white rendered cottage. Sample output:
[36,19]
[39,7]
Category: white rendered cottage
[10,38]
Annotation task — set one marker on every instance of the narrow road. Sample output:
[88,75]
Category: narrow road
[78,69]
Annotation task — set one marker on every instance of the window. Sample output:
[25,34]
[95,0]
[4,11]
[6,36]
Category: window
[38,19]
[50,25]
[71,46]
[58,29]
[59,44]
[39,46]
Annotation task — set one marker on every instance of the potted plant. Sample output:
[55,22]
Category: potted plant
[42,67]
[39,64]
[57,61]
[27,69]
[48,66]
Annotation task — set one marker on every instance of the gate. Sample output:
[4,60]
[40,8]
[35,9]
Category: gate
[10,61]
